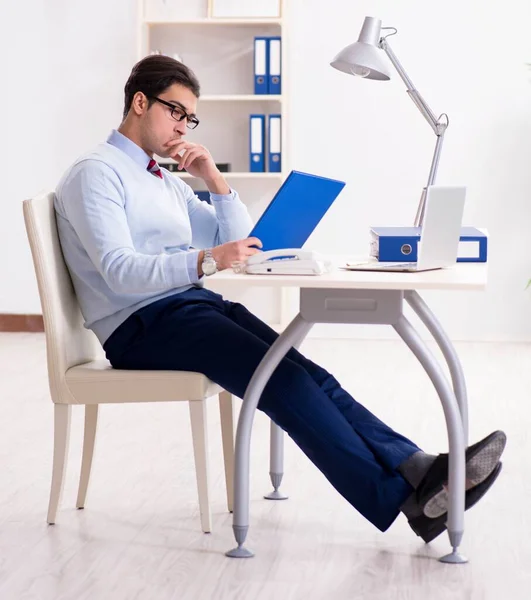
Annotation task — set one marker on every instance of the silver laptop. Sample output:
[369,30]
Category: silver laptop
[440,235]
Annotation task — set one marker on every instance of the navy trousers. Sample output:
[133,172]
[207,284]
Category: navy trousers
[198,330]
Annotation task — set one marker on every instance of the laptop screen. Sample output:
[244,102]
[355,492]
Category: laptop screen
[441,227]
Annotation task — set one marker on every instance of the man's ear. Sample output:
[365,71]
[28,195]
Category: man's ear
[139,104]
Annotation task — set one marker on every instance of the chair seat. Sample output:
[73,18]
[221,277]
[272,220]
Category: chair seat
[96,382]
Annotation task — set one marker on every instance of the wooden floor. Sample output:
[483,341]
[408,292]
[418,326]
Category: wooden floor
[139,536]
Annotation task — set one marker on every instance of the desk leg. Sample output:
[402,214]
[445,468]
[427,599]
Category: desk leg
[438,333]
[276,455]
[293,334]
[456,474]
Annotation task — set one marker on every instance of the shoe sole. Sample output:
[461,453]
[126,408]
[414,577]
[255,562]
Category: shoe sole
[428,529]
[478,468]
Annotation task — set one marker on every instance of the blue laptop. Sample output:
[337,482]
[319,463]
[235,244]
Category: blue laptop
[295,211]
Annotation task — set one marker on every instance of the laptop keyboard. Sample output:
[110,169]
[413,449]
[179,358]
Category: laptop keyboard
[395,264]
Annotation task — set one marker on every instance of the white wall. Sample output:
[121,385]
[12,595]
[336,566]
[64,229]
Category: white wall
[64,63]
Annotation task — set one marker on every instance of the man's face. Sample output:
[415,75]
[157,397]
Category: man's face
[158,127]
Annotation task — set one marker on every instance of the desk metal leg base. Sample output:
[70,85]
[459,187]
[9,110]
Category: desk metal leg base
[276,461]
[276,494]
[454,558]
[240,533]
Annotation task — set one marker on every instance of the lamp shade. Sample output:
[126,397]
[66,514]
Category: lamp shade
[364,58]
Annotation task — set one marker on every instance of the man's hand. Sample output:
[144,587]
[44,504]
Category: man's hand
[197,160]
[232,252]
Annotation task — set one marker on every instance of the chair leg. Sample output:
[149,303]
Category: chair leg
[226,411]
[60,453]
[200,441]
[89,438]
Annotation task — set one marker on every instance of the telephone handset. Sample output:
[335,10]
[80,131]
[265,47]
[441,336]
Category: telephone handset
[286,261]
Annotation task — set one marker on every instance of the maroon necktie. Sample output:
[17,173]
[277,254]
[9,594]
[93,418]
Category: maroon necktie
[154,168]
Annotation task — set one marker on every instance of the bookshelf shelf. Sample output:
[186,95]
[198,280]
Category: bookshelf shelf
[241,98]
[212,21]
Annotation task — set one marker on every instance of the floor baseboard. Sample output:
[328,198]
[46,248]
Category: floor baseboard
[31,323]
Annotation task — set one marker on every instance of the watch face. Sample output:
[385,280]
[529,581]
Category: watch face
[209,267]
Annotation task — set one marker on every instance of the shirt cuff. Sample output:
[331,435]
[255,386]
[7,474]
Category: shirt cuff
[221,197]
[191,264]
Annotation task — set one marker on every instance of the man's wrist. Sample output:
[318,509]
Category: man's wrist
[218,185]
[200,259]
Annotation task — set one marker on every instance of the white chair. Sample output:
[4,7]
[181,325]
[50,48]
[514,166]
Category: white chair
[79,373]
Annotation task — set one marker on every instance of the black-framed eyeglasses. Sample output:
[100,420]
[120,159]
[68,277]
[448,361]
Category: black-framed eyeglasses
[178,113]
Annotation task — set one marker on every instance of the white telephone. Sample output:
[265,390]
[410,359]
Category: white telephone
[287,261]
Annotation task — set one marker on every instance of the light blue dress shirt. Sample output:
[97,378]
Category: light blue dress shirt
[130,238]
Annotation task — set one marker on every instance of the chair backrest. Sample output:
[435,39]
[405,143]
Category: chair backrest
[68,343]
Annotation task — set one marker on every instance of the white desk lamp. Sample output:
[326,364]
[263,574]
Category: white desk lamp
[364,59]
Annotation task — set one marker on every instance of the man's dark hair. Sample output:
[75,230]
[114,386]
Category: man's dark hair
[156,73]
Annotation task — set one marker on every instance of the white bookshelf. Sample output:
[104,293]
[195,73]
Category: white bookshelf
[220,51]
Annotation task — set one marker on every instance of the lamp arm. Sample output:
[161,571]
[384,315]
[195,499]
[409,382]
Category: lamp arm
[439,125]
[436,124]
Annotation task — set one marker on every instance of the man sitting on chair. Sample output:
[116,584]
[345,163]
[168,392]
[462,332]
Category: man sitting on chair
[138,242]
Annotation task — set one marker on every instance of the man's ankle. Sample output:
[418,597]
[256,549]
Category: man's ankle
[414,468]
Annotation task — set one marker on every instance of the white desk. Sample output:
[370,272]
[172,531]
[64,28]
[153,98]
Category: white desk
[360,297]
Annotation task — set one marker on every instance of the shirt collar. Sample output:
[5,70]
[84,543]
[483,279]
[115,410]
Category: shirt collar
[123,143]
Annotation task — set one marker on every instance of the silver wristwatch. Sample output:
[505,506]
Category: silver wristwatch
[209,265]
